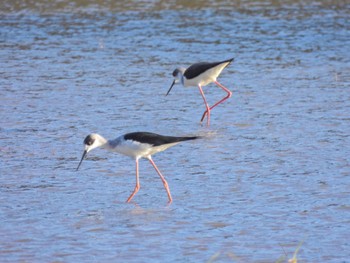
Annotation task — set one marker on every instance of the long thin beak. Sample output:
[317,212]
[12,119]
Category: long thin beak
[171,87]
[82,158]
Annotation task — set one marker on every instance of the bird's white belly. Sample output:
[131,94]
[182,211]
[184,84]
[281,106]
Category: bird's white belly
[136,149]
[206,77]
[133,149]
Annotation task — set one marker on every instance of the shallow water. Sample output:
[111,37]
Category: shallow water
[271,173]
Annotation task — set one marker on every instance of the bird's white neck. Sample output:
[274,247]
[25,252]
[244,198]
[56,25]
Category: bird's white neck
[102,142]
[182,79]
[181,75]
[112,145]
[109,145]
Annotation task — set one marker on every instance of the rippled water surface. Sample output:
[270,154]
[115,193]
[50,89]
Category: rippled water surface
[271,174]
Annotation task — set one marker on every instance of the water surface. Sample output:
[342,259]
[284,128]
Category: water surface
[271,172]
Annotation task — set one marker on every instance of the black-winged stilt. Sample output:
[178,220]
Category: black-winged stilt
[201,74]
[136,145]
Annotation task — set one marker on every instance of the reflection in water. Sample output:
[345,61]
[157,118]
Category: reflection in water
[271,171]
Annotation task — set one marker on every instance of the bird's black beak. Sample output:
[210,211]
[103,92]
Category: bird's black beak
[171,87]
[82,158]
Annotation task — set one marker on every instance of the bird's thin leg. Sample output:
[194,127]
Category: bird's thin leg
[165,183]
[229,94]
[206,105]
[137,187]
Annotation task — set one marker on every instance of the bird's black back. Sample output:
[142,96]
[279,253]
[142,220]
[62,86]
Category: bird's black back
[155,139]
[198,68]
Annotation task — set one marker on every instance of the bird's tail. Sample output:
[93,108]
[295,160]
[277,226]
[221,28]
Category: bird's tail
[189,138]
[229,61]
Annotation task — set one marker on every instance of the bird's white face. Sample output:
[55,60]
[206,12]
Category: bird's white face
[178,73]
[91,142]
[178,77]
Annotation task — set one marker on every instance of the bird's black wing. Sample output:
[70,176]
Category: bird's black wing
[155,139]
[198,68]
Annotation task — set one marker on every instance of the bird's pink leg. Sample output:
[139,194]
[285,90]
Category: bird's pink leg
[165,183]
[137,187]
[206,105]
[229,94]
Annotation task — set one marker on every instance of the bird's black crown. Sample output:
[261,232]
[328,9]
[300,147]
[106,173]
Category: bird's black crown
[89,140]
[176,72]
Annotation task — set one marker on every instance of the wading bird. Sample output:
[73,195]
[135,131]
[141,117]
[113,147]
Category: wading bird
[136,145]
[202,74]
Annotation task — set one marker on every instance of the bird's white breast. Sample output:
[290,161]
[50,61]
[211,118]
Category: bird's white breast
[136,149]
[206,77]
[133,148]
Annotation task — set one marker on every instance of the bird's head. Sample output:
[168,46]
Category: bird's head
[178,75]
[91,142]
